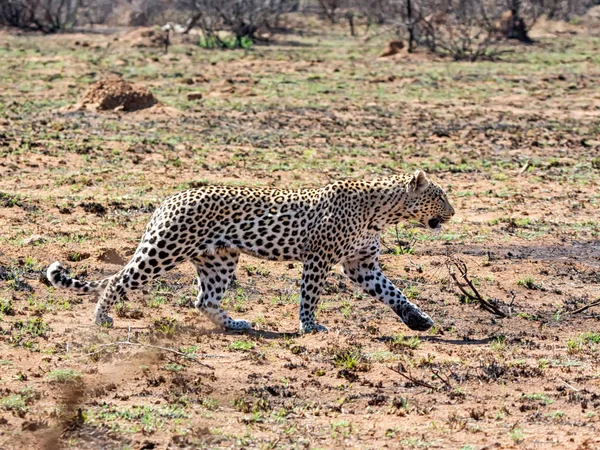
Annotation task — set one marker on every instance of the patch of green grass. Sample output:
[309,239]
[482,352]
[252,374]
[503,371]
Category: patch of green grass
[166,325]
[538,397]
[190,350]
[583,341]
[35,327]
[172,367]
[341,429]
[286,297]
[529,283]
[517,435]
[18,403]
[498,344]
[146,418]
[557,415]
[228,42]
[346,309]
[527,316]
[347,358]
[400,341]
[238,299]
[590,337]
[242,346]
[412,292]
[253,270]
[63,375]
[6,307]
[156,301]
[209,403]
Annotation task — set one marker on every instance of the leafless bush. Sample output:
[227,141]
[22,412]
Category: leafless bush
[466,29]
[329,9]
[47,16]
[243,18]
[561,9]
[97,11]
[378,12]
[150,12]
[462,29]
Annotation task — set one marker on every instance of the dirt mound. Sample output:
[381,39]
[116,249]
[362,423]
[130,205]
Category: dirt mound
[145,37]
[114,93]
[393,48]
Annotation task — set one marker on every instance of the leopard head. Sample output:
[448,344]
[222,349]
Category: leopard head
[426,202]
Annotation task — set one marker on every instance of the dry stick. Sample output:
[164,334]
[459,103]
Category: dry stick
[410,378]
[567,384]
[446,381]
[589,305]
[166,349]
[462,268]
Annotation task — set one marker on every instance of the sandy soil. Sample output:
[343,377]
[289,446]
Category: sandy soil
[515,143]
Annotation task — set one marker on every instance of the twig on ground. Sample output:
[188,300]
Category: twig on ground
[401,371]
[584,308]
[512,300]
[567,384]
[446,381]
[458,264]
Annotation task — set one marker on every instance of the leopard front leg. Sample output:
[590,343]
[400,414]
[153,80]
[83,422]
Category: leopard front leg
[367,273]
[314,273]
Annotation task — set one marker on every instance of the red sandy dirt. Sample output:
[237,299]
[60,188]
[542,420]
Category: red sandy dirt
[520,167]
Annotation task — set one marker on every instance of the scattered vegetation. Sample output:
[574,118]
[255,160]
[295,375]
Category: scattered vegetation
[509,140]
[244,346]
[63,375]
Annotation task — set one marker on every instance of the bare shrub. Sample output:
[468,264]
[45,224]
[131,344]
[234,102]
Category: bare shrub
[329,9]
[244,19]
[97,11]
[150,12]
[466,29]
[378,12]
[47,16]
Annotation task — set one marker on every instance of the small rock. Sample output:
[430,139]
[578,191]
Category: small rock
[34,239]
[194,96]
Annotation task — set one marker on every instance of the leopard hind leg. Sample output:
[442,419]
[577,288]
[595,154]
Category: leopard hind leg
[215,273]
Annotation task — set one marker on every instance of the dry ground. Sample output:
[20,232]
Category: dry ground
[515,143]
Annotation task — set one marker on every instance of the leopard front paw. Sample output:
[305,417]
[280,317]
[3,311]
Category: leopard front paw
[417,320]
[238,325]
[104,321]
[312,327]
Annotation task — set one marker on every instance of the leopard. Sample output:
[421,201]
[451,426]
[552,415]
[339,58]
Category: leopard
[340,223]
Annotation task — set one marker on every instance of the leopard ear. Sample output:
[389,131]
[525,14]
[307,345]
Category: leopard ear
[419,181]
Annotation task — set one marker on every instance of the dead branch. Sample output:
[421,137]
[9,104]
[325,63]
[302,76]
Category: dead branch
[455,264]
[446,381]
[586,307]
[401,370]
